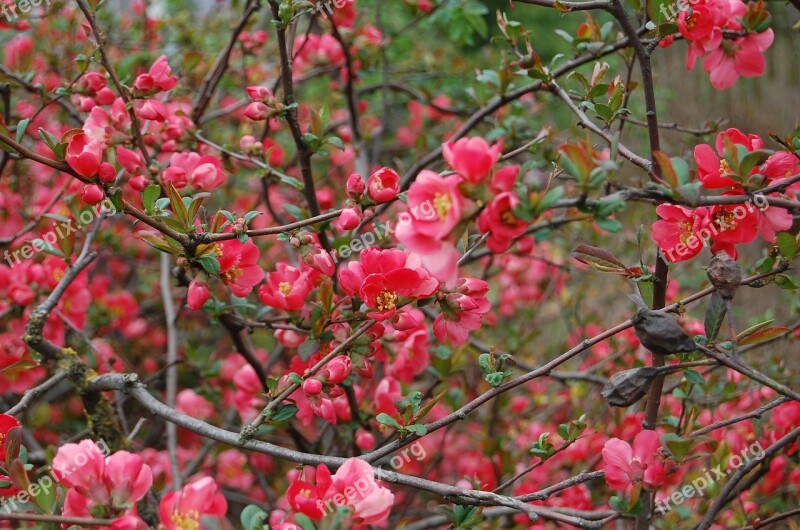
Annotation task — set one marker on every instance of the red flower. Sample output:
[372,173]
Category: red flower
[184,509]
[681,231]
[472,158]
[239,266]
[307,495]
[743,57]
[286,288]
[84,155]
[6,424]
[499,219]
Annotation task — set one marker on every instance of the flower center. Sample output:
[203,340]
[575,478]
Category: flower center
[442,203]
[508,219]
[232,274]
[725,220]
[187,521]
[378,184]
[386,300]
[686,231]
[285,288]
[724,167]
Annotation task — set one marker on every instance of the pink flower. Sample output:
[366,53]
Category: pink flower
[202,172]
[387,391]
[287,288]
[772,220]
[198,294]
[383,185]
[338,369]
[355,186]
[498,218]
[92,194]
[434,204]
[158,78]
[680,231]
[84,155]
[355,481]
[625,466]
[208,174]
[462,311]
[150,109]
[81,466]
[257,111]
[239,266]
[472,158]
[312,387]
[349,219]
[259,93]
[439,258]
[183,509]
[743,57]
[190,402]
[118,481]
[131,161]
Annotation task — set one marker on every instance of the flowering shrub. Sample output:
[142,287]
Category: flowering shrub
[334,264]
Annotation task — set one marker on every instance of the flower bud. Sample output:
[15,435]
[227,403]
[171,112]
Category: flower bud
[338,369]
[349,219]
[364,440]
[355,186]
[312,387]
[92,194]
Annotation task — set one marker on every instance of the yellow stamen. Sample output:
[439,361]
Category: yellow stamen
[386,300]
[285,288]
[442,202]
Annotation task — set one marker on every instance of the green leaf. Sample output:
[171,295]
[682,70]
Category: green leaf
[210,263]
[151,194]
[419,430]
[21,127]
[50,140]
[787,245]
[253,517]
[784,282]
[385,419]
[715,314]
[694,377]
[304,522]
[609,225]
[286,412]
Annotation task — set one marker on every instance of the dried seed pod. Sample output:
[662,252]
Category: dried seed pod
[660,333]
[725,274]
[627,387]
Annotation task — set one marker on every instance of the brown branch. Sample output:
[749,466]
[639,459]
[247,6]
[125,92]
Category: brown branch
[123,92]
[212,79]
